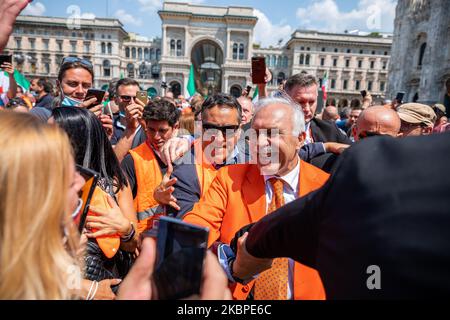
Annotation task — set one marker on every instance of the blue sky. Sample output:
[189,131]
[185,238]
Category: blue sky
[277,19]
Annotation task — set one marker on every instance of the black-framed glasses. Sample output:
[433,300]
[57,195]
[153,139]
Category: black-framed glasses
[84,62]
[227,131]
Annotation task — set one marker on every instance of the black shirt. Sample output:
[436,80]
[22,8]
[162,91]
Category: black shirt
[45,102]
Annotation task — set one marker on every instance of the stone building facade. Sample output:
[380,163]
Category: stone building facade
[217,41]
[420,62]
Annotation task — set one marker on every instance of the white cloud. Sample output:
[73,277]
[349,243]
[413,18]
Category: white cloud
[369,15]
[36,9]
[88,16]
[127,18]
[267,33]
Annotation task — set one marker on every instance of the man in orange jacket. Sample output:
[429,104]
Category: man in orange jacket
[242,194]
[143,165]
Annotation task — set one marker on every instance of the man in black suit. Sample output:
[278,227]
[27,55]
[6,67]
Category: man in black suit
[303,88]
[391,241]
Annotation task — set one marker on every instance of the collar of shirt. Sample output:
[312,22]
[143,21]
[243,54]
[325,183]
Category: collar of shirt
[291,179]
[118,124]
[232,159]
[308,138]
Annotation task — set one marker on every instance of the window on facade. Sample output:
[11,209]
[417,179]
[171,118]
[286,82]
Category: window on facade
[241,51]
[74,46]
[373,52]
[369,86]
[47,68]
[109,48]
[103,45]
[336,50]
[60,45]
[345,85]
[334,62]
[235,51]
[360,64]
[146,54]
[140,54]
[349,50]
[172,47]
[384,65]
[179,51]
[18,43]
[285,62]
[158,54]
[347,63]
[357,85]
[333,84]
[382,86]
[33,44]
[133,53]
[307,59]
[127,52]
[87,47]
[130,70]
[423,47]
[46,42]
[323,49]
[385,53]
[322,61]
[308,49]
[152,54]
[106,68]
[372,64]
[361,51]
[274,61]
[302,59]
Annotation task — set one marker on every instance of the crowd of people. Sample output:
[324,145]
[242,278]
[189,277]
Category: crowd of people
[219,162]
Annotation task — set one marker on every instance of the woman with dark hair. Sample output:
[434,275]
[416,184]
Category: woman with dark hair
[117,220]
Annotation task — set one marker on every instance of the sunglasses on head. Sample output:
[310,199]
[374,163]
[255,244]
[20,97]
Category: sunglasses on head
[227,131]
[84,62]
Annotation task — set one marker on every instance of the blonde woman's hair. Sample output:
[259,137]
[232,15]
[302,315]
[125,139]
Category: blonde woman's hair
[34,176]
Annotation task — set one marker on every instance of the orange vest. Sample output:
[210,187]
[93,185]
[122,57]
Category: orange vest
[148,177]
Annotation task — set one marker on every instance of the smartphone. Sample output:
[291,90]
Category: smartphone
[142,96]
[399,97]
[95,93]
[248,89]
[91,177]
[181,250]
[364,93]
[5,58]
[258,70]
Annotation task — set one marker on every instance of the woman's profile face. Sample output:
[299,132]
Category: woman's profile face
[76,182]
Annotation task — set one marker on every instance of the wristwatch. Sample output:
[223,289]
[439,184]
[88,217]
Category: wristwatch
[130,235]
[230,266]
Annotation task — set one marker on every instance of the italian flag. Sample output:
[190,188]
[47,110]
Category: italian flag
[20,80]
[325,85]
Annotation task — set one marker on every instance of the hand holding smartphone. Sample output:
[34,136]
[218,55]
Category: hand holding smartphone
[91,177]
[181,250]
[142,96]
[95,93]
[259,70]
[5,58]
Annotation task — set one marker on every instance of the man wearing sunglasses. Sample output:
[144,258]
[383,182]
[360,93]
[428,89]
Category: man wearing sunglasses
[377,121]
[128,132]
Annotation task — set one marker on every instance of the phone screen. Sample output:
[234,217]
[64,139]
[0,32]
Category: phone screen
[94,93]
[258,70]
[5,58]
[91,177]
[181,249]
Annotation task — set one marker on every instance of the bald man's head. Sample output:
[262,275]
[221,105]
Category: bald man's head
[330,114]
[377,120]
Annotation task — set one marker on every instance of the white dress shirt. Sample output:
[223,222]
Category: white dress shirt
[290,193]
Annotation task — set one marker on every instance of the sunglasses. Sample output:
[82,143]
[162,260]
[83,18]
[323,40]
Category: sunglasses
[227,131]
[84,62]
[127,98]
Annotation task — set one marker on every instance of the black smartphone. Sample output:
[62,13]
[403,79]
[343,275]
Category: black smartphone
[259,70]
[399,97]
[248,89]
[91,177]
[181,250]
[95,93]
[364,93]
[5,58]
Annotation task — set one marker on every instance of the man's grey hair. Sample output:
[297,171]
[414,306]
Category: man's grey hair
[298,120]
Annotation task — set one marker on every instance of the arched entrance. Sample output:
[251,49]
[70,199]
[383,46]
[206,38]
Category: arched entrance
[207,58]
[236,91]
[175,87]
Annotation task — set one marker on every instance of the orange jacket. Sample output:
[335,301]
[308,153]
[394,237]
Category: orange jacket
[237,198]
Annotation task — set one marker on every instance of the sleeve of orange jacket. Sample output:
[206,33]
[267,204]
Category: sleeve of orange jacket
[209,211]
